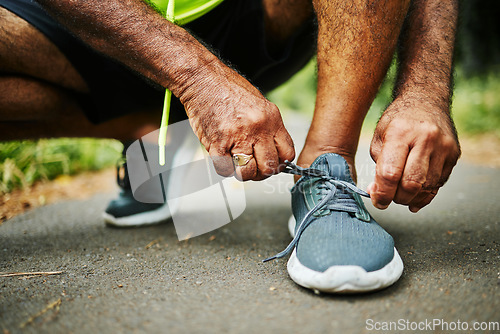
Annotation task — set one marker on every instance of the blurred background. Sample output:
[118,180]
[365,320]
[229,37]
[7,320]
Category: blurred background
[476,108]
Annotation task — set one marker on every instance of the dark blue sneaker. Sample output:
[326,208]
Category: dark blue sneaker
[126,211]
[337,247]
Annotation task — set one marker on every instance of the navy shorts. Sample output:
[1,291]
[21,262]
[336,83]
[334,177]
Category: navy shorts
[234,30]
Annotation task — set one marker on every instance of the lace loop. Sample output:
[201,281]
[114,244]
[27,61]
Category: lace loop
[331,199]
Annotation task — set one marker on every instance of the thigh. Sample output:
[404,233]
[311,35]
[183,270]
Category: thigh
[27,52]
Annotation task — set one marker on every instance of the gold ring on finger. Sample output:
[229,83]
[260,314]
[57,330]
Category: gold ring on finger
[240,159]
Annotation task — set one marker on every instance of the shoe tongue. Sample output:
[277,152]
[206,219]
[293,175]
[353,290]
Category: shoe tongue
[335,165]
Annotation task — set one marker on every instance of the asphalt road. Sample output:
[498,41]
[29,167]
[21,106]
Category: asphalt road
[146,281]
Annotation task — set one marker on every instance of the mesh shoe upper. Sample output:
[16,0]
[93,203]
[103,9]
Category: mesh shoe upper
[340,231]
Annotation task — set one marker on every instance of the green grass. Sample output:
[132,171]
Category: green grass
[476,110]
[24,162]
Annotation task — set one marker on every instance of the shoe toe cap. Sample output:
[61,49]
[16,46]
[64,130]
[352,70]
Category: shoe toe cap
[348,241]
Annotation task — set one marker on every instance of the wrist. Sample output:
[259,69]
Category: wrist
[188,78]
[421,100]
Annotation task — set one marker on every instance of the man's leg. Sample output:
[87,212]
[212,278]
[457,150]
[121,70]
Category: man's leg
[356,42]
[337,246]
[38,86]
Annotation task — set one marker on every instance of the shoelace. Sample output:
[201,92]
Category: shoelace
[331,200]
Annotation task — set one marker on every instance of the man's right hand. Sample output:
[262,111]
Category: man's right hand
[230,116]
[415,148]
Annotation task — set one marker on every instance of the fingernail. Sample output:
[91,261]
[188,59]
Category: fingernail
[414,209]
[371,188]
[381,206]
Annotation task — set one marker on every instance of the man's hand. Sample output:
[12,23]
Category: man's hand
[415,148]
[230,116]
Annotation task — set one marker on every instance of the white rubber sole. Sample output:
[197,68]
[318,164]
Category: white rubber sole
[343,279]
[141,219]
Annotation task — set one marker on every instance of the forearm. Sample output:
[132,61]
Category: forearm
[134,34]
[425,52]
[227,113]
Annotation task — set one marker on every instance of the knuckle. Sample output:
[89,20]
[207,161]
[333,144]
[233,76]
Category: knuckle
[432,132]
[432,180]
[269,168]
[398,128]
[260,119]
[271,109]
[411,186]
[391,174]
[449,143]
[254,119]
[272,165]
[382,196]
[451,147]
[398,125]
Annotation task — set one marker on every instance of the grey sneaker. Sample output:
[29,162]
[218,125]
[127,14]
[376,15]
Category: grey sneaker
[337,247]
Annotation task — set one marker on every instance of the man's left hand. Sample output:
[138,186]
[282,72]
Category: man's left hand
[415,148]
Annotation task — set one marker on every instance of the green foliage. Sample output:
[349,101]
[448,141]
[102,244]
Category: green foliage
[24,162]
[475,108]
[299,94]
[476,104]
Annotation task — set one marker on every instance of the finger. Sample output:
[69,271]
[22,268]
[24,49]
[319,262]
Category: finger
[266,156]
[285,148]
[223,162]
[431,186]
[414,176]
[248,171]
[422,199]
[447,169]
[388,172]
